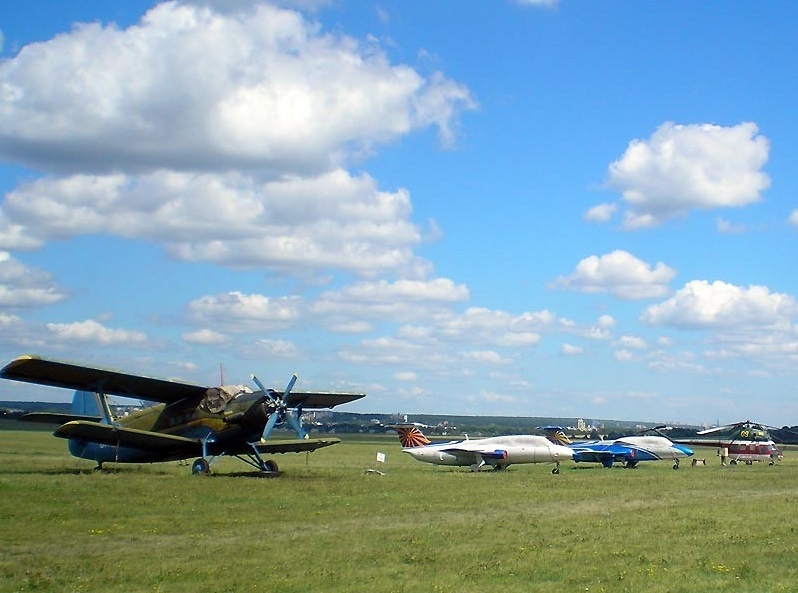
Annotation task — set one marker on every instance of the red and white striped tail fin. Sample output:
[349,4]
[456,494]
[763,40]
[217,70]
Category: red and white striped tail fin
[411,436]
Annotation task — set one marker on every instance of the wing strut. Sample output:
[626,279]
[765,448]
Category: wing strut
[102,402]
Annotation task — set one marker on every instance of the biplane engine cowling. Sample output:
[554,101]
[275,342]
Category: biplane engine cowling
[257,414]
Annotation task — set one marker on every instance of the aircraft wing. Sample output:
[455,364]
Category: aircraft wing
[588,455]
[127,437]
[468,452]
[318,401]
[33,369]
[293,446]
[168,443]
[599,452]
[55,418]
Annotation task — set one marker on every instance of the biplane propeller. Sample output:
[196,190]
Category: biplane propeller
[188,420]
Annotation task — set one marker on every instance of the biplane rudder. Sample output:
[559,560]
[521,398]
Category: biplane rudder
[87,403]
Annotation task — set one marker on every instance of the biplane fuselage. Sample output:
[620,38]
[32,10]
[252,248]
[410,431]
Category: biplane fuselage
[180,420]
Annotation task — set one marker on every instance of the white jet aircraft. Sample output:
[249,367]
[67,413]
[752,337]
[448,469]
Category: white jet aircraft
[497,452]
[627,450]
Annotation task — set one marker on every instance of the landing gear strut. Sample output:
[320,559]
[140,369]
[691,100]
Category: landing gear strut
[267,466]
[202,466]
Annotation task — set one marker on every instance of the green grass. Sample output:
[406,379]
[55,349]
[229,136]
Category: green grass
[326,525]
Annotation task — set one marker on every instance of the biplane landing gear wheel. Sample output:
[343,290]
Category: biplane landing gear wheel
[201,466]
[270,466]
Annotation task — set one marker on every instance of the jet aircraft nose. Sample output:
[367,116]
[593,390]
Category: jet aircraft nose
[559,452]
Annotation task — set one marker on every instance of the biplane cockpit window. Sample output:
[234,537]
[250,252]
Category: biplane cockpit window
[217,398]
[213,401]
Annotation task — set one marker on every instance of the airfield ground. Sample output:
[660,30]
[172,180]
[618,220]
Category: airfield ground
[327,525]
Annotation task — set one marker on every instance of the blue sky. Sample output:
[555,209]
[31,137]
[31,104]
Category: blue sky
[560,208]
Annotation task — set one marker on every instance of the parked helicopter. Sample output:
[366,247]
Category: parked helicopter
[741,442]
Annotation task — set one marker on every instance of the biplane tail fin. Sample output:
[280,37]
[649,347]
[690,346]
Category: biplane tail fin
[411,436]
[89,404]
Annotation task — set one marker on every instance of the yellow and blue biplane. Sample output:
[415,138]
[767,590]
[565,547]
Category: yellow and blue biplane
[187,421]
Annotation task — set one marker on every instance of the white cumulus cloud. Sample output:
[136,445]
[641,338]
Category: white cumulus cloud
[191,87]
[238,312]
[620,274]
[25,287]
[688,167]
[719,305]
[223,135]
[93,332]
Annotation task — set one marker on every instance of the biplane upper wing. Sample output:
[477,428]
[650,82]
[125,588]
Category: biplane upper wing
[33,369]
[127,437]
[318,401]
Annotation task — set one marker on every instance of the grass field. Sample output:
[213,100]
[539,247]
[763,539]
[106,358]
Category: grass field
[325,525]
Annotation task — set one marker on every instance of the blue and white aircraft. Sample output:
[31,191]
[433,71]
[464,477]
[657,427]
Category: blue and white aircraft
[496,452]
[629,450]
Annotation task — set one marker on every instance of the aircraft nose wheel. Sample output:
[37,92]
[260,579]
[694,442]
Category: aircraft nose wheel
[201,467]
[556,469]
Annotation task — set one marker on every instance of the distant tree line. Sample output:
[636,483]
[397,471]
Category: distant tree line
[436,425]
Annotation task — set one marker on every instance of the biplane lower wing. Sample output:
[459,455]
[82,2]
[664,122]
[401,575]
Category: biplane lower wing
[109,434]
[294,445]
[158,441]
[56,418]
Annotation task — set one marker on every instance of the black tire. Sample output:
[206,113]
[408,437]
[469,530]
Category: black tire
[201,467]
